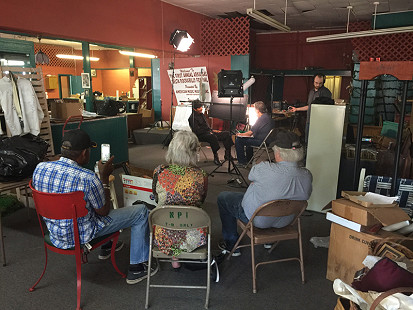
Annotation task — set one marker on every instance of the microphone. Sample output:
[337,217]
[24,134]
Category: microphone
[248,83]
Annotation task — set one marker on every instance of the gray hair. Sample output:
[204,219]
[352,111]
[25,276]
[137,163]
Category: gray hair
[291,155]
[182,149]
[260,106]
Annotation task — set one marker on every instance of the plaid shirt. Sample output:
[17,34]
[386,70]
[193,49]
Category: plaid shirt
[64,176]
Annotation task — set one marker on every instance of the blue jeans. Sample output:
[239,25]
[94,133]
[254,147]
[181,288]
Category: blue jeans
[230,209]
[240,143]
[135,217]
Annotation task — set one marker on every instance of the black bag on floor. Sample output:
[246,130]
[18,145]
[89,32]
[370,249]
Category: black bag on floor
[19,156]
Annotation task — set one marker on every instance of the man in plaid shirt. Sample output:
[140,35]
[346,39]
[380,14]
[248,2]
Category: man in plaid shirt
[67,175]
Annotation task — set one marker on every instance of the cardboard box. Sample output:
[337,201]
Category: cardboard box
[137,188]
[347,251]
[368,216]
[354,196]
[148,117]
[62,109]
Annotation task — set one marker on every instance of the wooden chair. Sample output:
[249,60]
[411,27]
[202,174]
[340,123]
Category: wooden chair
[263,147]
[275,208]
[180,218]
[69,206]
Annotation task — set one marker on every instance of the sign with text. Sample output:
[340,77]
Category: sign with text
[190,84]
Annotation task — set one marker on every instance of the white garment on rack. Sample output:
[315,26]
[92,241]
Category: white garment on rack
[6,102]
[31,110]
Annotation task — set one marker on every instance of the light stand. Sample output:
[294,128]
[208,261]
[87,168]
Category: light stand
[169,137]
[231,88]
[180,40]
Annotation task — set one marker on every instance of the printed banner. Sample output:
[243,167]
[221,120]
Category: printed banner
[190,84]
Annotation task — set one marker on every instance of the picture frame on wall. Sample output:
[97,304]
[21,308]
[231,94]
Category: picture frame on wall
[85,80]
[93,72]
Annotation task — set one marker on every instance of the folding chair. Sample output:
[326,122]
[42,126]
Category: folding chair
[259,150]
[201,145]
[275,208]
[180,218]
[69,206]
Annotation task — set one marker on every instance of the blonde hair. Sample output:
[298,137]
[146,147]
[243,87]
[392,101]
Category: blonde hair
[182,149]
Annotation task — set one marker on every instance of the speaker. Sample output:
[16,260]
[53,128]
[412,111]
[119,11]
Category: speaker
[230,83]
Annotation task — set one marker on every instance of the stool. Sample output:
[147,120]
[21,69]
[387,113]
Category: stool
[113,197]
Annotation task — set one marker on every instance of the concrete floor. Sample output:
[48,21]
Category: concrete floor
[279,285]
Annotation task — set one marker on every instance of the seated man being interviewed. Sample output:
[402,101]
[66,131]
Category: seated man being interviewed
[284,179]
[255,136]
[204,133]
[67,175]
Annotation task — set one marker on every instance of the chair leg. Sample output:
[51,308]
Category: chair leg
[254,269]
[208,273]
[300,243]
[268,153]
[237,244]
[273,247]
[148,281]
[44,270]
[78,278]
[112,256]
[3,250]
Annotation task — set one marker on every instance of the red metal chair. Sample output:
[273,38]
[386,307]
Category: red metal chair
[69,206]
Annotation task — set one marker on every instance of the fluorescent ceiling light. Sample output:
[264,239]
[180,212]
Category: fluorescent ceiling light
[359,34]
[5,62]
[267,20]
[76,57]
[137,54]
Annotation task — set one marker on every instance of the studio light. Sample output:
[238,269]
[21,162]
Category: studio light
[75,57]
[267,20]
[181,40]
[252,115]
[359,34]
[129,53]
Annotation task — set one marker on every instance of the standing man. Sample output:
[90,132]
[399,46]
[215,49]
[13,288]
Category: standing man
[254,137]
[67,175]
[204,133]
[284,179]
[319,91]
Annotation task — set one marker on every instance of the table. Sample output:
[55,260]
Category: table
[5,186]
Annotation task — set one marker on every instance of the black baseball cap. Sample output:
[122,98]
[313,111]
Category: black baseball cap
[77,140]
[287,139]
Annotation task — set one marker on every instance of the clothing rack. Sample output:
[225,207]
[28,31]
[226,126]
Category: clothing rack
[35,76]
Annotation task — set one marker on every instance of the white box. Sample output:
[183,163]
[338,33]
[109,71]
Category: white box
[137,188]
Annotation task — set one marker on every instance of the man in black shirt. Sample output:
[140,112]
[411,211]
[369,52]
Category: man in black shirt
[204,133]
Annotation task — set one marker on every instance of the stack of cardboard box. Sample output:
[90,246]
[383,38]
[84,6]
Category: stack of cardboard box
[353,227]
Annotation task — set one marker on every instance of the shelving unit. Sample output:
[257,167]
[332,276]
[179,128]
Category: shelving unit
[145,96]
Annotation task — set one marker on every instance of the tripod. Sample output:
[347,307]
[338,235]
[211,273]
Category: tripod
[170,135]
[229,159]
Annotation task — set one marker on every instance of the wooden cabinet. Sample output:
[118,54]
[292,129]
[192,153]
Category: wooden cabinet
[51,82]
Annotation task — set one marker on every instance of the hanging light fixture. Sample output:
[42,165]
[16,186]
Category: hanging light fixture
[40,57]
[181,40]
